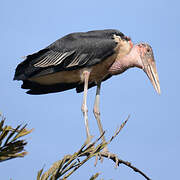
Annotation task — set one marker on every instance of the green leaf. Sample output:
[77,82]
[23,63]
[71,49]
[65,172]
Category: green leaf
[11,144]
[39,174]
[93,177]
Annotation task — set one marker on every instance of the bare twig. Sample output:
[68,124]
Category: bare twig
[119,129]
[120,161]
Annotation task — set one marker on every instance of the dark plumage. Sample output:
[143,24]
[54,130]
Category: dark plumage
[71,52]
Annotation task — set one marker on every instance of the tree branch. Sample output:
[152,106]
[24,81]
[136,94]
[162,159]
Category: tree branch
[120,161]
[70,163]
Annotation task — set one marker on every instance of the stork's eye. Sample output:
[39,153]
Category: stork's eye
[148,50]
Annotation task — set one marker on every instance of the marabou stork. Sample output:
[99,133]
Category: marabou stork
[83,60]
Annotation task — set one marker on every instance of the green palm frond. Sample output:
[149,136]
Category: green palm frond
[11,144]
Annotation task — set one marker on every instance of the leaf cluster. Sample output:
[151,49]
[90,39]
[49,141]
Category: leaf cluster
[11,144]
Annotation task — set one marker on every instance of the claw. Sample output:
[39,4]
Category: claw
[96,160]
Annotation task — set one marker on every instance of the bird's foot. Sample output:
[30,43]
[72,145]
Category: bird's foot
[99,156]
[106,153]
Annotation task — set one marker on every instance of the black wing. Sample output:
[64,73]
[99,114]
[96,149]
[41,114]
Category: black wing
[73,51]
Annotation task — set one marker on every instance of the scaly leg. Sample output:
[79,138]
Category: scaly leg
[84,108]
[97,113]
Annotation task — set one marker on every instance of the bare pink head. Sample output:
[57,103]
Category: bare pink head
[141,56]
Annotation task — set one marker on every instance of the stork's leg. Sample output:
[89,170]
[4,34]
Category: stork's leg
[84,108]
[97,112]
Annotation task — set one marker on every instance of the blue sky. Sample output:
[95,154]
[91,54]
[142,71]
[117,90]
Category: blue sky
[150,140]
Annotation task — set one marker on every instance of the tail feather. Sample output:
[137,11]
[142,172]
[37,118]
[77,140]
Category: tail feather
[36,89]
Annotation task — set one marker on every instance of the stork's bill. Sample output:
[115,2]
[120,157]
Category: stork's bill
[149,66]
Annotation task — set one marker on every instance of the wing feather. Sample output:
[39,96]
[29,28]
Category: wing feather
[78,59]
[53,59]
[73,51]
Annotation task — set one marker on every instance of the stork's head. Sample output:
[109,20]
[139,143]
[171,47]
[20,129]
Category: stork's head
[147,63]
[141,56]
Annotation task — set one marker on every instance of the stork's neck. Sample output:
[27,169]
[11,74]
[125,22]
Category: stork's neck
[130,60]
